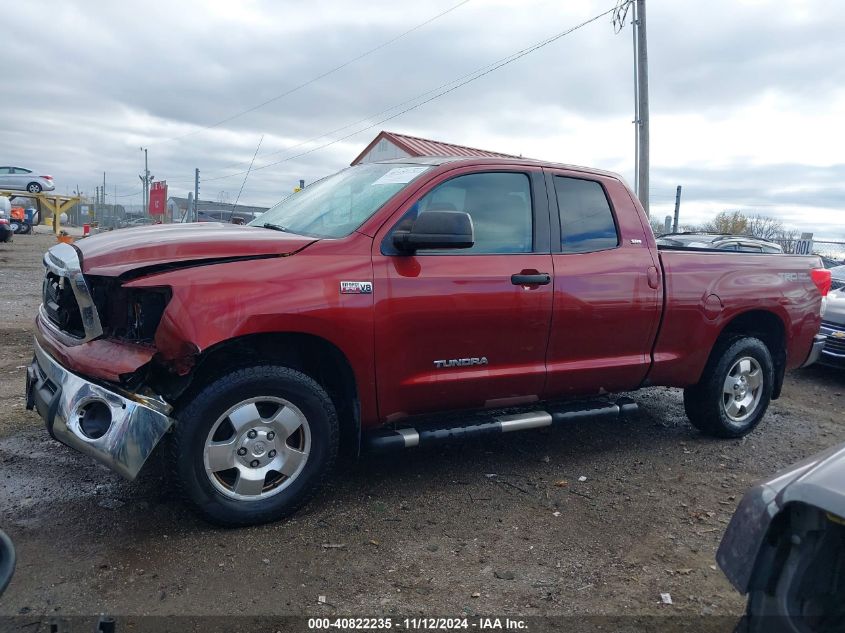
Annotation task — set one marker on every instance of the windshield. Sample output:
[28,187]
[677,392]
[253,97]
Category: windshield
[339,204]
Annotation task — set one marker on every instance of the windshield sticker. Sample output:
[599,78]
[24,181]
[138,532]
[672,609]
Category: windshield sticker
[400,175]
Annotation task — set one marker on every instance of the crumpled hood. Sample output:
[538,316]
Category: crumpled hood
[116,252]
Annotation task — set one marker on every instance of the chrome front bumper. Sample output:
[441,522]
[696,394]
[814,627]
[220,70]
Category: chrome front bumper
[60,397]
[819,341]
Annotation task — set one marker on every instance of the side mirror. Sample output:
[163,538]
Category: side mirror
[436,229]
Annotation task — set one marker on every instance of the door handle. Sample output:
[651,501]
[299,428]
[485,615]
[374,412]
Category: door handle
[538,279]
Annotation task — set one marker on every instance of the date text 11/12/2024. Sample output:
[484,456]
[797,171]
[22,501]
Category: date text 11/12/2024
[435,624]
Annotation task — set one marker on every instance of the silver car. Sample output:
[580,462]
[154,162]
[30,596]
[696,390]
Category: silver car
[22,179]
[785,548]
[833,321]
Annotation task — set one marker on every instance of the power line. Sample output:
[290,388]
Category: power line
[243,184]
[440,91]
[314,79]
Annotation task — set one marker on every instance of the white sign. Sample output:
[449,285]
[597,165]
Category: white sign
[804,246]
[400,175]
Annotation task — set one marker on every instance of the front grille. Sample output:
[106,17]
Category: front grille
[835,343]
[60,305]
[837,284]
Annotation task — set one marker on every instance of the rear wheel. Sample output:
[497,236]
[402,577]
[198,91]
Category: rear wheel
[254,445]
[735,389]
[33,187]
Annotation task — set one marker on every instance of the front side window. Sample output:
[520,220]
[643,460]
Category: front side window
[339,204]
[499,204]
[586,221]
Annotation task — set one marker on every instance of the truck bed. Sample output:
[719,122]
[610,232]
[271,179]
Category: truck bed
[704,289]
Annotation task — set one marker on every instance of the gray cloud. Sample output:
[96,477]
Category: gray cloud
[98,79]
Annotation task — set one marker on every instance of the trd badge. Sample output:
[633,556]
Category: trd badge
[356,287]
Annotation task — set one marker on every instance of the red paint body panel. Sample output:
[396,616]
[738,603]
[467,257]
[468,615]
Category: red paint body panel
[440,307]
[743,283]
[610,320]
[298,294]
[103,359]
[605,312]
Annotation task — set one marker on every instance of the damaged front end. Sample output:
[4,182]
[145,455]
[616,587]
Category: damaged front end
[94,353]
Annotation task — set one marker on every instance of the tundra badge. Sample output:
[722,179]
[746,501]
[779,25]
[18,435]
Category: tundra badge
[356,287]
[460,362]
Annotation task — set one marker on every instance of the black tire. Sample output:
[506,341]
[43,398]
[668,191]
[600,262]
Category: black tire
[197,417]
[33,187]
[705,402]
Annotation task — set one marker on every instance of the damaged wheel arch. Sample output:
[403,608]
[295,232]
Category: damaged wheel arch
[314,356]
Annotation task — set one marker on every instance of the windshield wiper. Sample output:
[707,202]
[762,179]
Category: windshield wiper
[275,227]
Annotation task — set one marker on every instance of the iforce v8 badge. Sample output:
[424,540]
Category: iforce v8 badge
[356,287]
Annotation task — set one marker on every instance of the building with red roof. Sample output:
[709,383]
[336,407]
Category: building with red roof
[390,145]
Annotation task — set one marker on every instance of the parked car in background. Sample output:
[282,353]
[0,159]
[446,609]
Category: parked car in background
[22,179]
[743,243]
[833,322]
[143,221]
[827,262]
[785,548]
[6,230]
[7,561]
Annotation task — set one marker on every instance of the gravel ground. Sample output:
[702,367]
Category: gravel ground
[504,526]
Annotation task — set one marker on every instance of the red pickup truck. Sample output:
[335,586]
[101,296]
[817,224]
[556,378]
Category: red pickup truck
[397,304]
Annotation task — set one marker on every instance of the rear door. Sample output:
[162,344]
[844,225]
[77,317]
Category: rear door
[461,328]
[20,177]
[607,299]
[6,178]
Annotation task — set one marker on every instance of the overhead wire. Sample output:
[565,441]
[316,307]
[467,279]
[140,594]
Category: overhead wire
[315,79]
[440,91]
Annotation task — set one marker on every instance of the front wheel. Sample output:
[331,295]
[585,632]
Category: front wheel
[735,389]
[254,445]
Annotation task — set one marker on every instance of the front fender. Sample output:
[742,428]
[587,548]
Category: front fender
[296,294]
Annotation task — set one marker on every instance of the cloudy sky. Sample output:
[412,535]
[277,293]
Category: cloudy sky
[747,97]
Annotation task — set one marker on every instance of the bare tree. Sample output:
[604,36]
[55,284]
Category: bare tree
[787,238]
[656,226]
[727,223]
[765,228]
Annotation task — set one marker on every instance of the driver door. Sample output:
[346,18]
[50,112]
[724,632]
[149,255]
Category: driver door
[458,328]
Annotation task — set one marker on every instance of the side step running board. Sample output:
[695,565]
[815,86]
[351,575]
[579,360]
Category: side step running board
[386,440]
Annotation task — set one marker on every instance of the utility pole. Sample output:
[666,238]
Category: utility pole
[146,179]
[104,191]
[642,104]
[196,194]
[677,208]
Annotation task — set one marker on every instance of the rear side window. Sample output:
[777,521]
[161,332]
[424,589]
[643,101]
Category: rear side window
[586,221]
